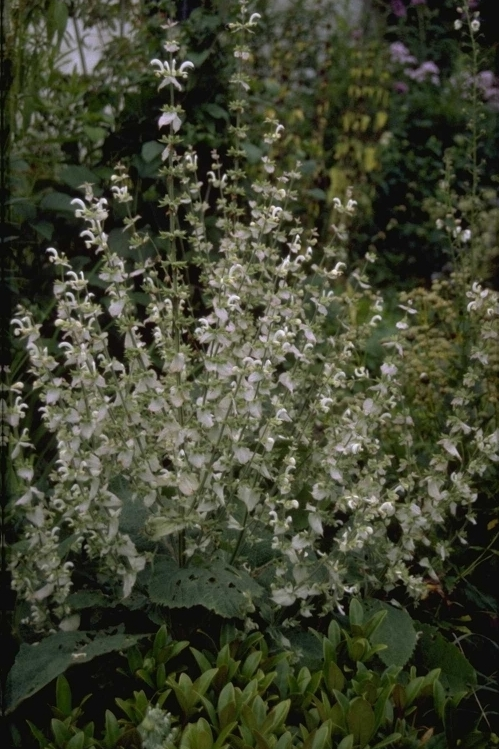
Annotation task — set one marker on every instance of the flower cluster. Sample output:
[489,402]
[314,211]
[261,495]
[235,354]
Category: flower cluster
[401,57]
[399,9]
[245,420]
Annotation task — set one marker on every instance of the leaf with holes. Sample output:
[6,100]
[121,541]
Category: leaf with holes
[221,588]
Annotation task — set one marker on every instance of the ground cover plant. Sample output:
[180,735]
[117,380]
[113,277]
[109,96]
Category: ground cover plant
[344,687]
[240,428]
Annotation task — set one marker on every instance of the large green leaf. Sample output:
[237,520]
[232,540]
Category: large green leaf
[75,176]
[396,631]
[220,587]
[37,665]
[59,202]
[457,673]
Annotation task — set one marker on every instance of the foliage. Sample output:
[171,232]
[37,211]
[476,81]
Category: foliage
[38,664]
[240,430]
[238,414]
[247,695]
[377,102]
[71,118]
[428,121]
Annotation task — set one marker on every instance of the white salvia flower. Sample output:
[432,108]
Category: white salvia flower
[458,24]
[171,74]
[219,424]
[387,509]
[475,25]
[170,118]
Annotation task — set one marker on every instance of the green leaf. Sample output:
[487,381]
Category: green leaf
[276,717]
[457,673]
[60,732]
[360,721]
[112,730]
[226,706]
[389,740]
[160,641]
[253,153]
[334,677]
[396,631]
[322,736]
[42,740]
[203,682]
[95,134]
[88,599]
[220,588]
[151,150]
[371,626]
[197,736]
[75,176]
[334,633]
[44,228]
[285,741]
[59,202]
[63,696]
[217,112]
[439,698]
[251,664]
[77,742]
[202,661]
[220,742]
[356,613]
[342,701]
[37,665]
[346,743]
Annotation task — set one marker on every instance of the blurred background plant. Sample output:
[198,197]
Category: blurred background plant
[377,101]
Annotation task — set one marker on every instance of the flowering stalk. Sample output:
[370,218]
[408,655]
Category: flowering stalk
[253,425]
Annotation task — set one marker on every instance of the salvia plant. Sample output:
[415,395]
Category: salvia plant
[239,418]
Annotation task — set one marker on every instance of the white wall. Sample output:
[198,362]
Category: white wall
[95,38]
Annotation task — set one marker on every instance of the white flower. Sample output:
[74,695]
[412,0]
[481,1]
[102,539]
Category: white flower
[170,118]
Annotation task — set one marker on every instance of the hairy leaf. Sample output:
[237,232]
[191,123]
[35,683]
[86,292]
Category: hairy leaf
[221,588]
[37,665]
[396,631]
[457,673]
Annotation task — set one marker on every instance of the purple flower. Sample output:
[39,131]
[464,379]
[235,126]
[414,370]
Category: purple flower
[398,8]
[418,2]
[400,87]
[400,54]
[486,83]
[486,79]
[426,70]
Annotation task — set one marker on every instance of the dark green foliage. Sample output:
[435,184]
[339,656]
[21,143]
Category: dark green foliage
[227,591]
[37,665]
[397,631]
[242,693]
[457,673]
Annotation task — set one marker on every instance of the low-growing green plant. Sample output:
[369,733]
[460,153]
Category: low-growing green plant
[251,441]
[335,693]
